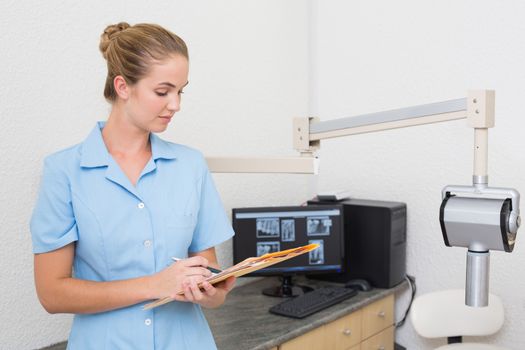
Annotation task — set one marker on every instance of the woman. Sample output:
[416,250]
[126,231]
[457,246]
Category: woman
[115,209]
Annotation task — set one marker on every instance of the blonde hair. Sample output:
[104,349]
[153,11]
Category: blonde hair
[130,50]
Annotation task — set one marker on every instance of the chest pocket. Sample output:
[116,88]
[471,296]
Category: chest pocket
[181,218]
[181,221]
[179,233]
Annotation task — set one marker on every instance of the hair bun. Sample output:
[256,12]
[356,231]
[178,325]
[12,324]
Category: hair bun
[111,32]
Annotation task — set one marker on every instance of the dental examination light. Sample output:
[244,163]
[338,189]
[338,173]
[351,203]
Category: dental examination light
[478,217]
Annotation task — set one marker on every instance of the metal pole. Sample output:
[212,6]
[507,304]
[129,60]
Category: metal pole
[477,284]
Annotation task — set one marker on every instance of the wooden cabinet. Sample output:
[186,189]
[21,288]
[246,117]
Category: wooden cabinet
[378,316]
[381,341]
[368,329]
[344,332]
[311,340]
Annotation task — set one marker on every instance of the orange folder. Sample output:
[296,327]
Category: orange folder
[244,267]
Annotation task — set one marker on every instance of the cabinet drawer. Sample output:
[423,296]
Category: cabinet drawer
[314,340]
[344,332]
[381,341]
[378,316]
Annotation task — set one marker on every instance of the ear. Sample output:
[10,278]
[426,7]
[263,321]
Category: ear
[121,87]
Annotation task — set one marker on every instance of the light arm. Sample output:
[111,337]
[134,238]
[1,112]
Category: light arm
[392,119]
[290,165]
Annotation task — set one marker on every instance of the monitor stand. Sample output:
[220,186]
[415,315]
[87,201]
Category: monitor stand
[287,289]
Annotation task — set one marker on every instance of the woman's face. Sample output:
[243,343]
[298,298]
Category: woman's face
[154,99]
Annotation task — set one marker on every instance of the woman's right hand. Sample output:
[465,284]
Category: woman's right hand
[169,281]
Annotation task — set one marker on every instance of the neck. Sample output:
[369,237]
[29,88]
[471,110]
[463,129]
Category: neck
[122,137]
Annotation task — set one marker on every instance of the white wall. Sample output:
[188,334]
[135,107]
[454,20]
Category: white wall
[371,55]
[248,76]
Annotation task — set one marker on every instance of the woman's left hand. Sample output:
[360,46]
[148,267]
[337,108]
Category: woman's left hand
[210,296]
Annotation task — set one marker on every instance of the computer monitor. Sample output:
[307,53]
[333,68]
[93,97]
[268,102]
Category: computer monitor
[270,229]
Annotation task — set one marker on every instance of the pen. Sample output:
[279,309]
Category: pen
[211,269]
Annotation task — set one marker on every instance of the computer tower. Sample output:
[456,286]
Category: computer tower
[375,242]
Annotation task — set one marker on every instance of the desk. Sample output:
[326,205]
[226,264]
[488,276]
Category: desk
[244,322]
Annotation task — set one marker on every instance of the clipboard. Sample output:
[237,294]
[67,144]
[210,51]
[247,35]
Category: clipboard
[244,267]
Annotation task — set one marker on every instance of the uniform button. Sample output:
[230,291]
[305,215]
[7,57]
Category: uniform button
[147,243]
[141,205]
[147,321]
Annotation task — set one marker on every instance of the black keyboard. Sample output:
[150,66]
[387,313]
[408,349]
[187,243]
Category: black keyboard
[311,302]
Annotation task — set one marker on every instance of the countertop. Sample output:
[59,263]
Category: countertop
[244,322]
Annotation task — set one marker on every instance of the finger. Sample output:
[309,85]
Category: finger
[209,289]
[196,261]
[180,297]
[197,271]
[187,292]
[229,283]
[196,291]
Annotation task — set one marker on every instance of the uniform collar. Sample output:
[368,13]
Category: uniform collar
[95,153]
[161,149]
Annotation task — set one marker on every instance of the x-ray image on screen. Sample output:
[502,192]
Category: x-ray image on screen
[267,247]
[268,228]
[316,256]
[288,230]
[262,230]
[318,226]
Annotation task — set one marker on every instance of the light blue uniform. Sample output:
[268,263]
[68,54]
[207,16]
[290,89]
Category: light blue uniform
[123,231]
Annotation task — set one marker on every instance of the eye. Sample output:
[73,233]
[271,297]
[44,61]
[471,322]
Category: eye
[161,93]
[181,92]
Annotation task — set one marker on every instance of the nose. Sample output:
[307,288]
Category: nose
[174,104]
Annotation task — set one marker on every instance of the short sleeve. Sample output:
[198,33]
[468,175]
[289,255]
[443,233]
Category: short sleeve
[213,226]
[53,223]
